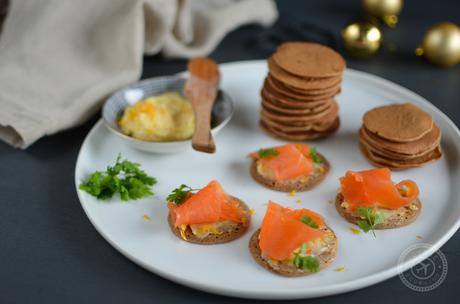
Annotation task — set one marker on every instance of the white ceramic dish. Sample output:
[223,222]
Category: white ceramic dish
[228,268]
[117,103]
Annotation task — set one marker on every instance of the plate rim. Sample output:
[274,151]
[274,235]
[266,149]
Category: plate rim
[299,293]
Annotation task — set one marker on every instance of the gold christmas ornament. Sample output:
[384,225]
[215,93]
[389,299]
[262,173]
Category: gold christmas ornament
[441,44]
[387,10]
[361,38]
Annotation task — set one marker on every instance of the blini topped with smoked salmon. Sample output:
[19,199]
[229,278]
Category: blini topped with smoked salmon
[293,242]
[371,200]
[209,216]
[291,167]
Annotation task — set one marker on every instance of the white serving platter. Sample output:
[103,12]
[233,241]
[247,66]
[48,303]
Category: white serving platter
[229,269]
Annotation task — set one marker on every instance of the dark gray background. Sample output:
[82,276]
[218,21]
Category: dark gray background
[49,251]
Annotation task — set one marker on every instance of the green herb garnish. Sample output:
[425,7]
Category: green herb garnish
[309,221]
[304,261]
[314,156]
[124,177]
[268,152]
[369,219]
[179,194]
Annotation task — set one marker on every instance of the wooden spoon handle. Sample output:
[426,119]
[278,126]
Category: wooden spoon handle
[202,138]
[201,89]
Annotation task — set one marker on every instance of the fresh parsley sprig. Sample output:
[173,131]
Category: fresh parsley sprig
[309,221]
[124,177]
[369,219]
[303,261]
[263,153]
[178,195]
[314,156]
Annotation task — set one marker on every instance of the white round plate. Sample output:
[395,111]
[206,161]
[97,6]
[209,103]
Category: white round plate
[229,269]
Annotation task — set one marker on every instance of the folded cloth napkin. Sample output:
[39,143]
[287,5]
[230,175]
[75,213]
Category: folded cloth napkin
[60,58]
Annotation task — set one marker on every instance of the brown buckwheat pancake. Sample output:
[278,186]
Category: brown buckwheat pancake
[396,218]
[393,155]
[300,83]
[294,102]
[293,243]
[371,194]
[398,122]
[399,136]
[384,161]
[290,95]
[326,115]
[305,59]
[299,90]
[301,135]
[228,231]
[283,88]
[291,167]
[271,105]
[286,269]
[314,127]
[412,148]
[209,216]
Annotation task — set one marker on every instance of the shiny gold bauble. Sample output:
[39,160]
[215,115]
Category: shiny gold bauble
[441,44]
[361,38]
[387,10]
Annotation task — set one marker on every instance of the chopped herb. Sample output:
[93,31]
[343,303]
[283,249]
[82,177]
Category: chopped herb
[268,152]
[309,221]
[124,177]
[369,219]
[314,156]
[179,194]
[304,261]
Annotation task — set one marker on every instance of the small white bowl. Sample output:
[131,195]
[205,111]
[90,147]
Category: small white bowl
[117,103]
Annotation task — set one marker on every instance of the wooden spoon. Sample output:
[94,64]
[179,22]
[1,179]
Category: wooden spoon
[201,89]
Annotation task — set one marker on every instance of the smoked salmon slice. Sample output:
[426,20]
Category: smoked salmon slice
[374,188]
[209,205]
[291,161]
[282,230]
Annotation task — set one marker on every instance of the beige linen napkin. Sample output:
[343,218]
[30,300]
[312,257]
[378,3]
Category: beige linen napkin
[60,58]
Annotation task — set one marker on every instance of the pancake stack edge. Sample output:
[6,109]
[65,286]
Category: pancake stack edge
[298,93]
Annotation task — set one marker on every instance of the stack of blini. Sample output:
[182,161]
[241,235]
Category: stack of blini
[399,136]
[298,93]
